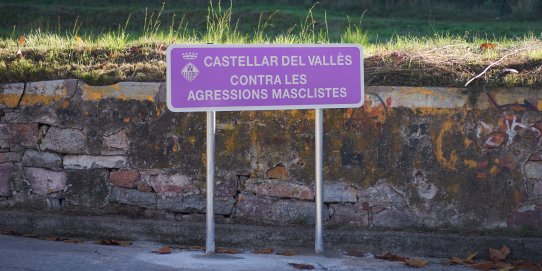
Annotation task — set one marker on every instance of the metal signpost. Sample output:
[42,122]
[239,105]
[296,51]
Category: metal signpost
[210,78]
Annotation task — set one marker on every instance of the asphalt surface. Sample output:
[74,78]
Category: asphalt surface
[24,253]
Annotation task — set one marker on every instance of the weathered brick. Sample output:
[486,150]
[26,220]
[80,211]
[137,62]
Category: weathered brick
[46,92]
[6,172]
[92,162]
[143,186]
[133,197]
[174,184]
[68,141]
[278,188]
[45,181]
[339,192]
[33,158]
[24,134]
[124,178]
[10,94]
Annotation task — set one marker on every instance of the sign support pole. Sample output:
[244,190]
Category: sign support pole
[210,236]
[319,153]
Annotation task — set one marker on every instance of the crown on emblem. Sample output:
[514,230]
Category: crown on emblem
[190,56]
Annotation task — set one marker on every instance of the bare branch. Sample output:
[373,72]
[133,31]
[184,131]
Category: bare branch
[497,63]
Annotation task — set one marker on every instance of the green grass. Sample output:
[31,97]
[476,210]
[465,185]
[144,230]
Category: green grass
[103,43]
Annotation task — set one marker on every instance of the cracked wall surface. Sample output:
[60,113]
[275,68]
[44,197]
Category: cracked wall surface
[410,157]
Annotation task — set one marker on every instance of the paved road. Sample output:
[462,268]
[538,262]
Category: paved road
[20,253]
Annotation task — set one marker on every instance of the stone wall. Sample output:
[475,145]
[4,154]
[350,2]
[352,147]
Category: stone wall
[410,157]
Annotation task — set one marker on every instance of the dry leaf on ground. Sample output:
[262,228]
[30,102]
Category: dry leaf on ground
[455,260]
[302,266]
[227,250]
[471,257]
[164,250]
[53,238]
[498,255]
[289,253]
[109,242]
[392,257]
[418,263]
[264,251]
[73,241]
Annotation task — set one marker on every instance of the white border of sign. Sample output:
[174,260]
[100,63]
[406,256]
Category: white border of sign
[245,108]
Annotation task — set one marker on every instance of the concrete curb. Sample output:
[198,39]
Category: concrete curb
[438,245]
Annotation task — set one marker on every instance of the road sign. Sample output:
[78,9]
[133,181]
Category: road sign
[263,77]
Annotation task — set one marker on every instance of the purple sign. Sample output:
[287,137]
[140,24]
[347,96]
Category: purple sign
[262,77]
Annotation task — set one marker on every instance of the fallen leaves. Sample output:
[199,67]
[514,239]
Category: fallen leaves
[110,242]
[467,261]
[499,255]
[264,251]
[289,253]
[302,266]
[163,250]
[418,263]
[392,257]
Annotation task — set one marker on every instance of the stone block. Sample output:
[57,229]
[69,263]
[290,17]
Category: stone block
[188,204]
[46,92]
[116,143]
[348,215]
[10,156]
[45,181]
[381,194]
[33,158]
[252,206]
[339,192]
[174,184]
[295,212]
[141,91]
[133,197]
[10,94]
[537,188]
[67,141]
[6,173]
[23,134]
[124,178]
[92,162]
[225,187]
[393,218]
[87,188]
[533,170]
[278,188]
